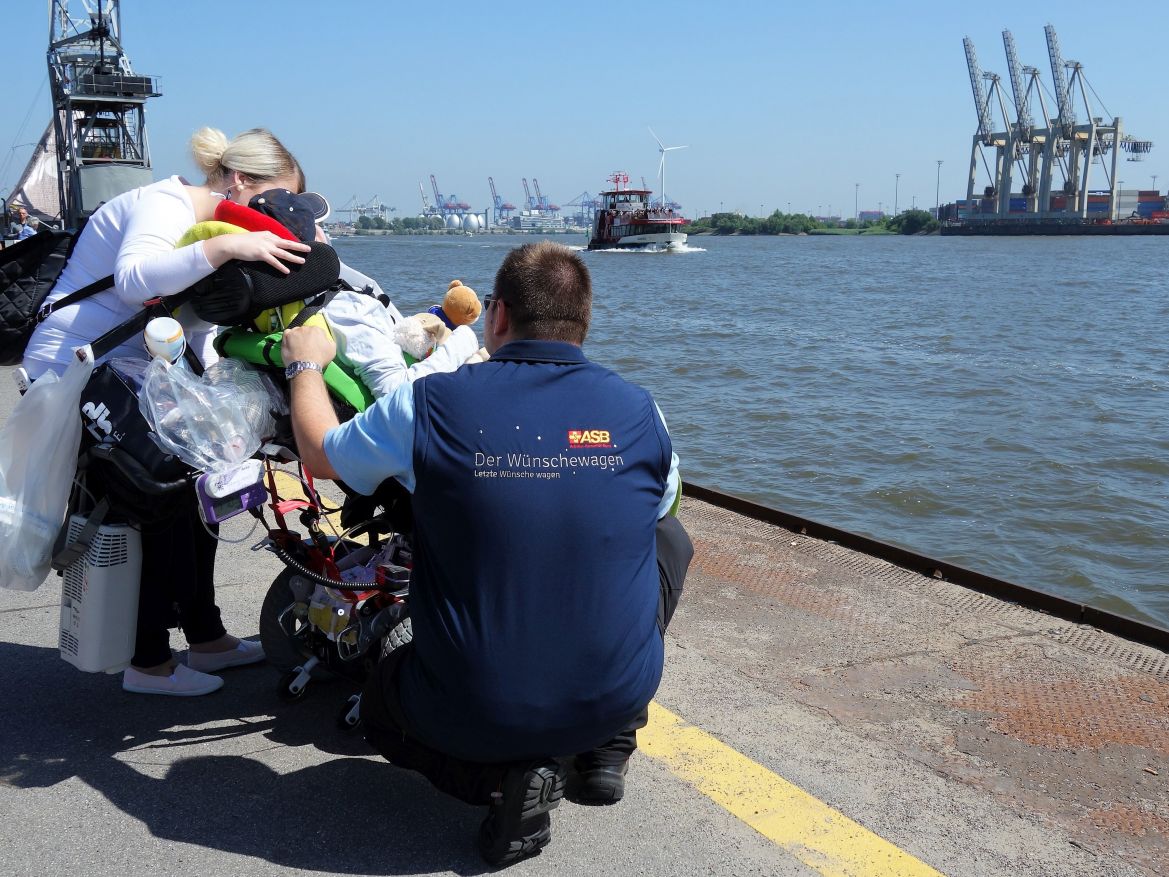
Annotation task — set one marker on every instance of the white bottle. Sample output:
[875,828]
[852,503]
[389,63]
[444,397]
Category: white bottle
[164,337]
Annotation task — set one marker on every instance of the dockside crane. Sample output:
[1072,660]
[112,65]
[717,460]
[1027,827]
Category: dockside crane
[502,208]
[588,206]
[1024,141]
[541,200]
[532,204]
[1041,149]
[440,203]
[1090,140]
[99,107]
[985,136]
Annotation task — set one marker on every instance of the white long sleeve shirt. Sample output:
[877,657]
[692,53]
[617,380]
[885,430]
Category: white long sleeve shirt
[132,237]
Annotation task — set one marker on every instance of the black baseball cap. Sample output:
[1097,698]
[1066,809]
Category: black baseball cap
[298,213]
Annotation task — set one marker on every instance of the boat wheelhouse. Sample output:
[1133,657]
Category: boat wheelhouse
[627,219]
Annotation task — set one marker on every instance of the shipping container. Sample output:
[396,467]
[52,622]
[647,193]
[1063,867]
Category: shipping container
[1159,214]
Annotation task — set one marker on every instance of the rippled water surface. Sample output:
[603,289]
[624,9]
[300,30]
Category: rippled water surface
[999,404]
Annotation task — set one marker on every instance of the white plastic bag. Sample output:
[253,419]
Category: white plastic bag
[212,423]
[38,459]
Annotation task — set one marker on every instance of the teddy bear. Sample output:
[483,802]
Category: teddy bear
[420,334]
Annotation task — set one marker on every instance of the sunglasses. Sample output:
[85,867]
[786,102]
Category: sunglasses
[490,299]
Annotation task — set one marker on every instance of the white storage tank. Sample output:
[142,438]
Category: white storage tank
[453,222]
[471,222]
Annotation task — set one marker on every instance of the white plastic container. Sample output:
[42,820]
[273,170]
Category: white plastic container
[99,599]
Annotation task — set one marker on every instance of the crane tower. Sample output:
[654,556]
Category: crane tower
[502,208]
[99,107]
[1044,149]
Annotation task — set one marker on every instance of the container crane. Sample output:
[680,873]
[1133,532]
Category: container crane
[532,204]
[1041,148]
[441,204]
[588,206]
[1023,153]
[986,136]
[99,108]
[543,202]
[502,208]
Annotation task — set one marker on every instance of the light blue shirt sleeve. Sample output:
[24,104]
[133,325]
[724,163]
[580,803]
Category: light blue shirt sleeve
[673,480]
[376,444]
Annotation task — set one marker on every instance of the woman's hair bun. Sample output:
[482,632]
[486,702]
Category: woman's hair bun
[207,147]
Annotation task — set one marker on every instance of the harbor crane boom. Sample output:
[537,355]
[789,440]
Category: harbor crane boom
[532,205]
[1067,112]
[540,199]
[502,208]
[1022,110]
[981,104]
[439,201]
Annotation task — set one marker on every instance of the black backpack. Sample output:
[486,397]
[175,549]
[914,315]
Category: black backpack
[28,271]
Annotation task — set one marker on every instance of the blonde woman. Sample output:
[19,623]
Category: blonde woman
[133,238]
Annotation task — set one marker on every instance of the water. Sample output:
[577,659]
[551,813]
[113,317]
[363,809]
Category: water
[996,403]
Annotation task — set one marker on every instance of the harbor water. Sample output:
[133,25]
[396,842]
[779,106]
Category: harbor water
[999,403]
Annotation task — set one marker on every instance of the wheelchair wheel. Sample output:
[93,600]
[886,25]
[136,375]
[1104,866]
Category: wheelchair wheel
[284,652]
[399,635]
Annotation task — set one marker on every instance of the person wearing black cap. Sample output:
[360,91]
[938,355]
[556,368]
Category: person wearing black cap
[361,317]
[547,562]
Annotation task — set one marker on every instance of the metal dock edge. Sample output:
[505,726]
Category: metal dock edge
[1033,598]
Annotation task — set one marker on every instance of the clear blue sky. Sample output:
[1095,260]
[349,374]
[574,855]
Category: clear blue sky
[779,104]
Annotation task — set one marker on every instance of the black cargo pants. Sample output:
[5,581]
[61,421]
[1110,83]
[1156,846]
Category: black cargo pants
[388,731]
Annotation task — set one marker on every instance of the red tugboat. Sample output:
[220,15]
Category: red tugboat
[626,220]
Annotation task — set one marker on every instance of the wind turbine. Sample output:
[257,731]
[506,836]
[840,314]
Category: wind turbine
[663,149]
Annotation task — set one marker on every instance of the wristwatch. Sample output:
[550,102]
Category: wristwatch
[301,365]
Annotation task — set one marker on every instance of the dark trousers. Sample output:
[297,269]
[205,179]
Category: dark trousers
[387,729]
[177,584]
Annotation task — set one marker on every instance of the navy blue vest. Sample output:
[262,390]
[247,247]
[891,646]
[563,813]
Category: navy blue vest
[535,588]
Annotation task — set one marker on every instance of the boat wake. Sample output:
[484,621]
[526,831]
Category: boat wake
[677,248]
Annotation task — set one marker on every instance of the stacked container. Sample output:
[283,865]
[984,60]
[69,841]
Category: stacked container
[1149,203]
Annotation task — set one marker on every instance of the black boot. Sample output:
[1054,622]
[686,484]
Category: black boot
[599,784]
[517,823]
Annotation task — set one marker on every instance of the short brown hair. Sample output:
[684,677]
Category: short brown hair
[548,292]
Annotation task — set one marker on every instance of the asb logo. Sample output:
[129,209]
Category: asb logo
[589,438]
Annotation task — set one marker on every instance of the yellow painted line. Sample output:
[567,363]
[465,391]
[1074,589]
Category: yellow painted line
[822,838]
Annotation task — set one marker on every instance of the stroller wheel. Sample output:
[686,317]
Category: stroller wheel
[284,653]
[289,690]
[350,715]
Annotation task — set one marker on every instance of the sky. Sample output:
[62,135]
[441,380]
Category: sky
[780,105]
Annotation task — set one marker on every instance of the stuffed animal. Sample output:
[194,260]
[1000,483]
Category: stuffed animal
[420,334]
[460,306]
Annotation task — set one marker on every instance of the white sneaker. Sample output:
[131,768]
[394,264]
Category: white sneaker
[183,682]
[211,662]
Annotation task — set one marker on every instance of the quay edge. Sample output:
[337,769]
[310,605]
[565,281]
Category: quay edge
[1123,626]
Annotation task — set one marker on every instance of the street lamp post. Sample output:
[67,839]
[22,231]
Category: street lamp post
[938,194]
[1154,181]
[896,188]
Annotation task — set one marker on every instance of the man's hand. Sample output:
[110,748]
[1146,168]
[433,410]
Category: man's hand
[308,343]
